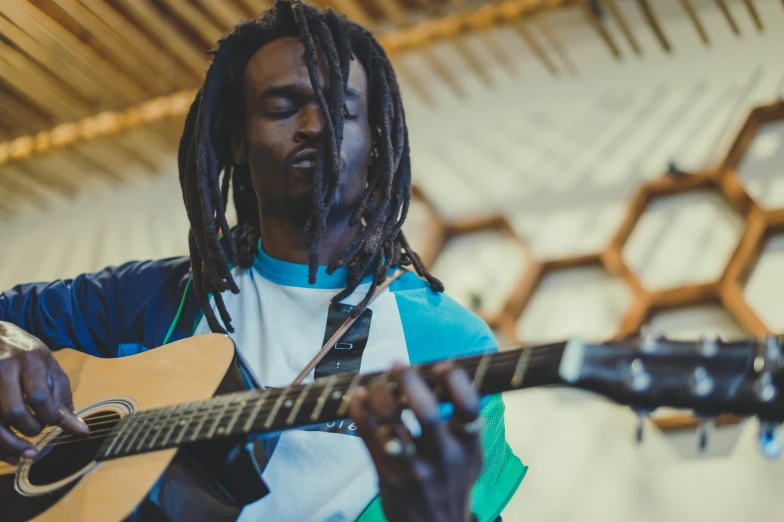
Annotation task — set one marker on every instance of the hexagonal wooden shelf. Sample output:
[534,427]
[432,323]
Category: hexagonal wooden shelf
[759,225]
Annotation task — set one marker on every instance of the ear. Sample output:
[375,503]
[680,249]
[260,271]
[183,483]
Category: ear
[239,149]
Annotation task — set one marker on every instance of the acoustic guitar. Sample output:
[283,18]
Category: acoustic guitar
[142,408]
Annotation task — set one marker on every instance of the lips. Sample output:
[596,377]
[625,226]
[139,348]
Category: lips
[304,159]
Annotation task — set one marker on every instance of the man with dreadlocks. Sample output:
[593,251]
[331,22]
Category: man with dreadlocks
[300,119]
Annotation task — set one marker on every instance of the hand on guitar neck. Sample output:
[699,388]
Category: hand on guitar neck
[34,393]
[427,478]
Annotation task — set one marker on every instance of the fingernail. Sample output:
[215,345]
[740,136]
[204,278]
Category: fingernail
[29,453]
[83,424]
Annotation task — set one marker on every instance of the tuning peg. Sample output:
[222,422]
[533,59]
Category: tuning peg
[705,428]
[648,339]
[770,439]
[642,415]
[709,347]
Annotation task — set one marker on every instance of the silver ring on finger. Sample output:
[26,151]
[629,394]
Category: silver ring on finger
[394,446]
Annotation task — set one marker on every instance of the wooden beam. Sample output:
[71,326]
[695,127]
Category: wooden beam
[623,24]
[254,7]
[113,80]
[172,70]
[754,14]
[167,35]
[412,80]
[59,184]
[353,10]
[540,20]
[176,105]
[522,29]
[65,72]
[225,13]
[31,84]
[443,72]
[653,23]
[194,18]
[722,4]
[601,30]
[99,125]
[473,61]
[499,53]
[392,10]
[144,73]
[488,40]
[695,20]
[15,184]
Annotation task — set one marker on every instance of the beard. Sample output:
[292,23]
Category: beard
[297,205]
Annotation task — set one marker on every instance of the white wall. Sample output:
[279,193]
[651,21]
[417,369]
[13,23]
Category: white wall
[560,157]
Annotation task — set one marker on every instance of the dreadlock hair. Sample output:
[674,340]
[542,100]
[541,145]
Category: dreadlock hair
[205,153]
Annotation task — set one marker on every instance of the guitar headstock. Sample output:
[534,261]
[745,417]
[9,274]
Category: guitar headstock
[708,376]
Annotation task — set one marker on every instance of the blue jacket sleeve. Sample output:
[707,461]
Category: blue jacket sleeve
[99,312]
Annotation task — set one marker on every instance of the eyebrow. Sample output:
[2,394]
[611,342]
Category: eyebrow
[292,90]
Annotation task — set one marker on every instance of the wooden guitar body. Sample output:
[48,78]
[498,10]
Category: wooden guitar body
[109,491]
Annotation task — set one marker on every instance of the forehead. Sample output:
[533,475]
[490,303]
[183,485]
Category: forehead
[283,62]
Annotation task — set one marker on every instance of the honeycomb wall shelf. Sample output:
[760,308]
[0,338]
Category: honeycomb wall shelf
[758,224]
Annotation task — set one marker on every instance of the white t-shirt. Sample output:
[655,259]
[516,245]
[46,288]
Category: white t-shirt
[280,322]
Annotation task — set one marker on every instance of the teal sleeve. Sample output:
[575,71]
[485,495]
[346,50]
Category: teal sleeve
[436,327]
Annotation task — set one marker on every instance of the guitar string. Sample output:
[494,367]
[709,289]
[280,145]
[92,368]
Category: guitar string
[500,360]
[67,453]
[181,435]
[197,414]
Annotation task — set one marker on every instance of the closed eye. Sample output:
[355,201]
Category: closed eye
[281,115]
[347,114]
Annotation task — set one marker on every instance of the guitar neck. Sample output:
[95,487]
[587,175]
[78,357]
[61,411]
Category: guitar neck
[271,410]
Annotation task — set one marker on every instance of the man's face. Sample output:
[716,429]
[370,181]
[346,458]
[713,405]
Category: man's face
[284,126]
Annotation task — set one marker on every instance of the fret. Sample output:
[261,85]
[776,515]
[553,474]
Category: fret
[156,425]
[481,370]
[521,368]
[176,412]
[117,437]
[239,407]
[185,420]
[203,420]
[214,428]
[298,404]
[254,413]
[347,396]
[322,400]
[145,417]
[276,408]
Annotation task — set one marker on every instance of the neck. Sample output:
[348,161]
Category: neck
[284,240]
[262,411]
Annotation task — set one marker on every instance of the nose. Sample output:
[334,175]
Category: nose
[310,124]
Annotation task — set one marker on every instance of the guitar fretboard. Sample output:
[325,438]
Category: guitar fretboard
[270,410]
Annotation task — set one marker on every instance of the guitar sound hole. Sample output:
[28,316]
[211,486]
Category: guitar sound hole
[66,454]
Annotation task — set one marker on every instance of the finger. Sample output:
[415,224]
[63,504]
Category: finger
[465,416]
[12,447]
[425,407]
[13,410]
[62,395]
[382,403]
[37,384]
[367,425]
